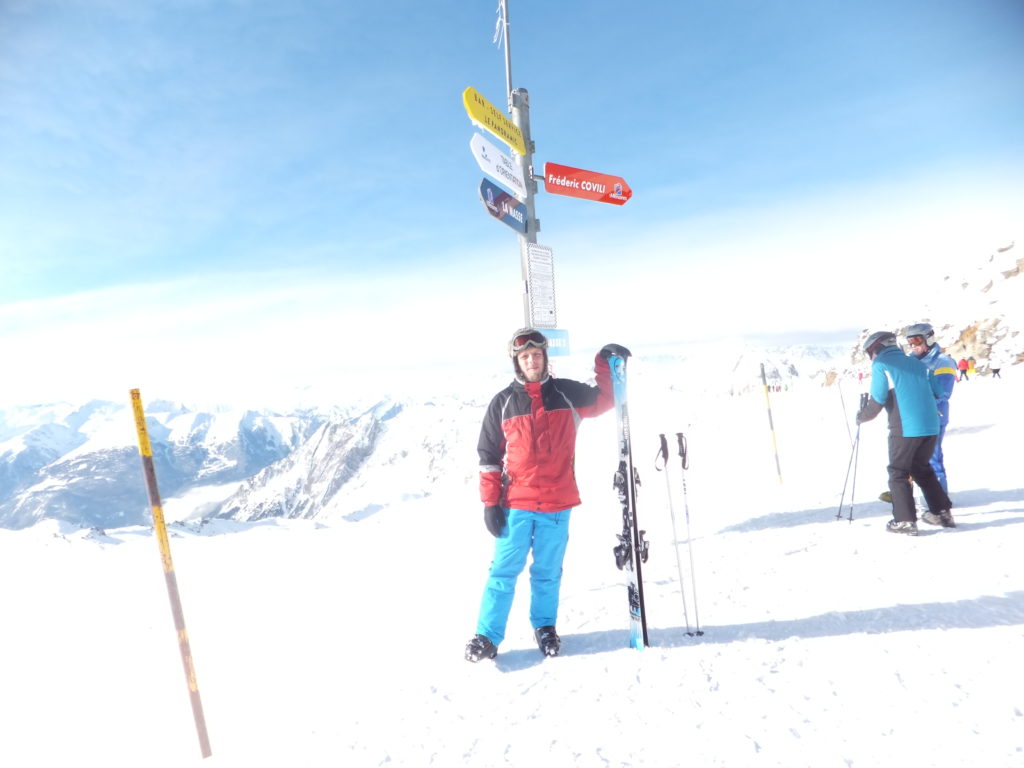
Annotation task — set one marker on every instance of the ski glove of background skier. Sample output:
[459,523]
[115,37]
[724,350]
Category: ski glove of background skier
[869,408]
[494,519]
[614,349]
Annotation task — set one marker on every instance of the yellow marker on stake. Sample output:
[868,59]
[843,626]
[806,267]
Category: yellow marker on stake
[146,451]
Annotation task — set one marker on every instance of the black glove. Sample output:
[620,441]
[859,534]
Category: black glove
[494,519]
[862,414]
[869,411]
[614,349]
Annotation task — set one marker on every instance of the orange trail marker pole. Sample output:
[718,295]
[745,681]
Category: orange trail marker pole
[146,451]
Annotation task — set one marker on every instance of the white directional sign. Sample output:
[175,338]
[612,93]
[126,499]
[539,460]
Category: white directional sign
[498,165]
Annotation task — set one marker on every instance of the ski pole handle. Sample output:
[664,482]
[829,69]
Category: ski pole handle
[682,449]
[664,449]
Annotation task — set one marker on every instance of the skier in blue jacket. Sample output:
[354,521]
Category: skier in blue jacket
[905,387]
[921,339]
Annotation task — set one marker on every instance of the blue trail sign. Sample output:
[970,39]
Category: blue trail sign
[503,206]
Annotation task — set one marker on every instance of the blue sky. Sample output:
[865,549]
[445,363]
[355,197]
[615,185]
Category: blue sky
[209,186]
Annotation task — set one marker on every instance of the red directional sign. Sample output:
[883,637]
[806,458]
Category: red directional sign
[575,182]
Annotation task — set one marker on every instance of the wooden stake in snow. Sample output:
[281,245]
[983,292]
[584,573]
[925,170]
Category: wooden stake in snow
[146,451]
[771,424]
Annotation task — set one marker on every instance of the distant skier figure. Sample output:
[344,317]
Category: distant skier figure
[962,367]
[528,487]
[921,339]
[999,360]
[904,386]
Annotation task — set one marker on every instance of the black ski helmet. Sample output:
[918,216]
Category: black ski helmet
[921,329]
[879,340]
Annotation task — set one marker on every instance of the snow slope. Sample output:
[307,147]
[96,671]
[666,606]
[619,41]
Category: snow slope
[338,641]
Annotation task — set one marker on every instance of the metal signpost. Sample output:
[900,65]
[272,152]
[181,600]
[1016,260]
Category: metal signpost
[516,208]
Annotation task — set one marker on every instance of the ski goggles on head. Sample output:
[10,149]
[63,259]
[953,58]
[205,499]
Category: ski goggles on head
[531,339]
[916,339]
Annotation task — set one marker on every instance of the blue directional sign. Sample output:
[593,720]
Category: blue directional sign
[558,341]
[503,206]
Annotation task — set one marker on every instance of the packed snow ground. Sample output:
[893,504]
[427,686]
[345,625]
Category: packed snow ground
[339,643]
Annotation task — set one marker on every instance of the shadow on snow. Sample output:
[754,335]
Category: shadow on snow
[961,500]
[976,613]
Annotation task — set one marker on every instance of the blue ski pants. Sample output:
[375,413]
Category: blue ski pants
[546,534]
[937,460]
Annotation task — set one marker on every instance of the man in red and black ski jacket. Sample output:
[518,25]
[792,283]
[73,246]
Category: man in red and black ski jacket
[528,440]
[528,486]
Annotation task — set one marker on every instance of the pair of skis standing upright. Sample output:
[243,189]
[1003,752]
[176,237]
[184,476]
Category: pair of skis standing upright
[632,550]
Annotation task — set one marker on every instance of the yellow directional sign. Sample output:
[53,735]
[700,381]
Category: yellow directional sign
[492,119]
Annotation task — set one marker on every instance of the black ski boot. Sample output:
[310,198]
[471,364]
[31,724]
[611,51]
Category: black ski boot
[548,640]
[480,647]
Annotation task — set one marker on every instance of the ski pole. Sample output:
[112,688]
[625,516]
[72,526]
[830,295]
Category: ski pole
[856,458]
[851,464]
[663,454]
[684,460]
[846,419]
[854,452]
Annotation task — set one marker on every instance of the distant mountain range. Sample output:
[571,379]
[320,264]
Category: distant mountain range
[80,463]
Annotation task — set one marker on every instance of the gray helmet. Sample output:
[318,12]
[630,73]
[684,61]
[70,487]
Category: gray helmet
[526,337]
[877,341]
[921,329]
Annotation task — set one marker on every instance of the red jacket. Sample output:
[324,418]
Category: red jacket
[528,440]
